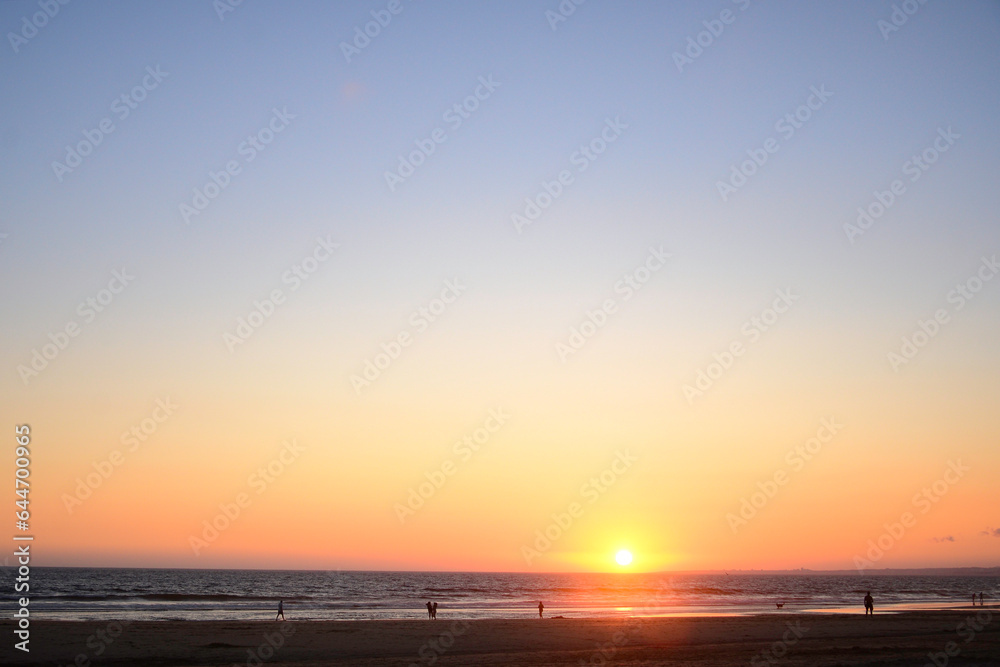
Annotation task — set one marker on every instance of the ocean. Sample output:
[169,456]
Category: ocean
[163,594]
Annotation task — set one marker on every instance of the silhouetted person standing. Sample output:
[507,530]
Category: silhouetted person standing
[973,599]
[430,610]
[869,604]
[281,610]
[980,599]
[541,608]
[434,610]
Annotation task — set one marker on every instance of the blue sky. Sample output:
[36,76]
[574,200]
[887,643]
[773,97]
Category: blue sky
[557,87]
[655,185]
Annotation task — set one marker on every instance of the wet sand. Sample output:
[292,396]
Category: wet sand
[785,638]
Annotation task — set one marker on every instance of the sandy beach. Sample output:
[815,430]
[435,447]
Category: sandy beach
[788,639]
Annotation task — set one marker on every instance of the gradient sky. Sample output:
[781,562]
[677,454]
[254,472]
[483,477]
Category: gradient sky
[495,346]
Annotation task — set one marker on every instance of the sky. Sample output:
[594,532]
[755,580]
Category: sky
[503,286]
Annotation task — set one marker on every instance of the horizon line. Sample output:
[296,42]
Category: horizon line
[802,570]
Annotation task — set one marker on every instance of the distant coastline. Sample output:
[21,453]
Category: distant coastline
[892,571]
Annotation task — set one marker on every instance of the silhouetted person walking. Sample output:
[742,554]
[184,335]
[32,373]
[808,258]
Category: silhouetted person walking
[869,604]
[281,610]
[541,608]
[973,599]
[980,599]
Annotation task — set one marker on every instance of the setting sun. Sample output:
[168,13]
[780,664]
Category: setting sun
[586,384]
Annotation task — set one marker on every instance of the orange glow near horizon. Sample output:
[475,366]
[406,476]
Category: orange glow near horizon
[334,504]
[481,295]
